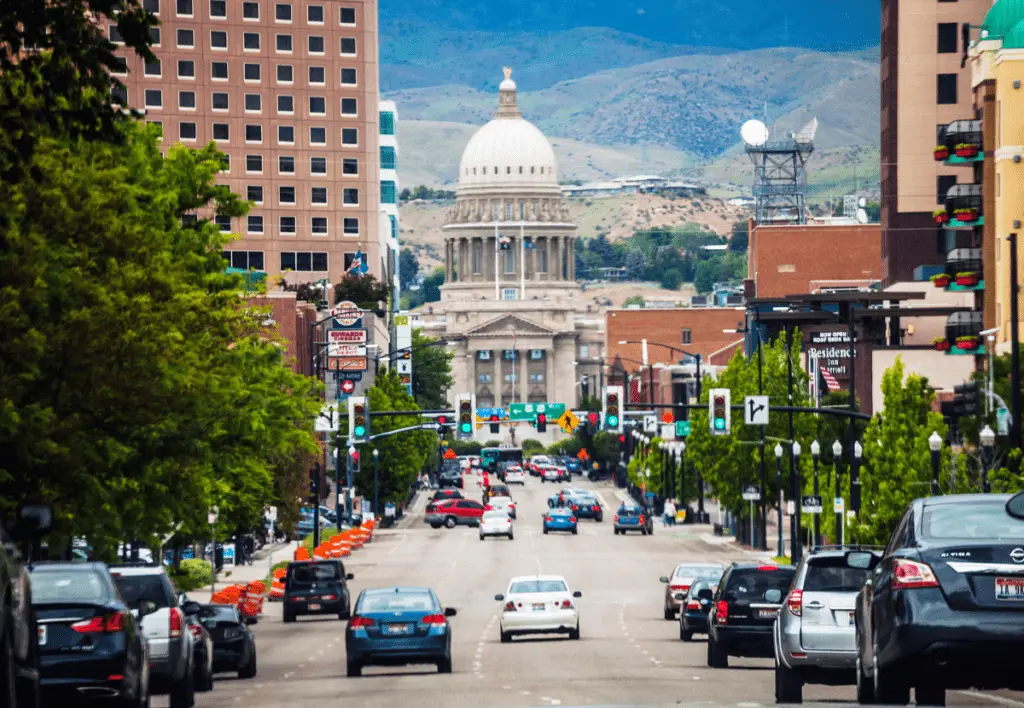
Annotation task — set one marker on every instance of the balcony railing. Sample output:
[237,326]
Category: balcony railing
[962,208]
[960,142]
[963,334]
[963,271]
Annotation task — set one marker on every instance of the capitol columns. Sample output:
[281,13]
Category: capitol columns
[524,376]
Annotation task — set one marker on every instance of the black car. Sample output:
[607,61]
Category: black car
[696,606]
[442,495]
[202,647]
[90,643]
[743,611]
[234,647]
[450,476]
[944,609]
[316,588]
[587,506]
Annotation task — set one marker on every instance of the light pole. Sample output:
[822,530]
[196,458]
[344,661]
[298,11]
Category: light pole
[935,445]
[211,517]
[988,441]
[815,453]
[376,486]
[348,490]
[837,453]
[778,485]
[795,542]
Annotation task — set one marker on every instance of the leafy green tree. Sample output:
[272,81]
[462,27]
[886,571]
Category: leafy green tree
[408,268]
[430,289]
[431,372]
[704,279]
[532,446]
[671,279]
[634,300]
[364,290]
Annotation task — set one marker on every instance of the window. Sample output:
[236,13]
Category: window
[485,355]
[317,105]
[287,224]
[223,222]
[476,255]
[251,41]
[315,44]
[286,164]
[317,135]
[253,102]
[218,39]
[387,123]
[254,193]
[115,35]
[348,46]
[219,101]
[285,75]
[537,378]
[943,183]
[584,351]
[347,16]
[387,157]
[286,134]
[154,98]
[348,77]
[219,70]
[187,100]
[351,226]
[508,261]
[186,131]
[254,133]
[318,225]
[154,36]
[221,131]
[184,8]
[151,6]
[349,107]
[350,196]
[315,14]
[283,12]
[304,261]
[254,163]
[948,37]
[283,43]
[349,136]
[251,72]
[153,68]
[286,194]
[186,69]
[225,163]
[350,166]
[285,104]
[509,294]
[389,193]
[946,89]
[318,165]
[186,38]
[251,10]
[317,75]
[245,260]
[255,224]
[218,9]
[687,336]
[318,195]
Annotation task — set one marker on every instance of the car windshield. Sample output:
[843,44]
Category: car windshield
[585,499]
[136,588]
[525,587]
[691,571]
[983,520]
[500,501]
[751,584]
[395,602]
[628,511]
[58,586]
[492,515]
[833,575]
[218,613]
[315,572]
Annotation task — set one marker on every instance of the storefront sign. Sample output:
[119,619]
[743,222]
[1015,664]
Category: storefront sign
[832,352]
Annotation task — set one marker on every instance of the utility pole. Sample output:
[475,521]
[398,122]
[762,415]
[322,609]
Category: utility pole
[760,391]
[1014,344]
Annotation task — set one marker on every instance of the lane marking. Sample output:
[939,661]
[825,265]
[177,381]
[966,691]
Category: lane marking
[995,699]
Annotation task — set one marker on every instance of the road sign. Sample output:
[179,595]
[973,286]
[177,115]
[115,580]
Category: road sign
[682,428]
[347,313]
[348,387]
[668,432]
[327,421]
[348,375]
[449,453]
[583,454]
[270,513]
[668,418]
[346,363]
[811,504]
[751,492]
[650,423]
[1003,421]
[568,421]
[527,412]
[838,505]
[755,410]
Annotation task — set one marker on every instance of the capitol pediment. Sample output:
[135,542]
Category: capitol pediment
[504,324]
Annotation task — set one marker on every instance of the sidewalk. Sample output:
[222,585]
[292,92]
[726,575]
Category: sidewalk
[243,574]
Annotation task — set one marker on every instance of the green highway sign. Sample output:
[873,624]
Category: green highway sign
[527,412]
[682,428]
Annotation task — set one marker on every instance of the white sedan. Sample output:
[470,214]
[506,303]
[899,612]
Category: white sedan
[515,475]
[504,504]
[550,474]
[495,522]
[539,604]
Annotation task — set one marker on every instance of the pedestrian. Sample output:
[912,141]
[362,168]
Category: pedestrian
[670,513]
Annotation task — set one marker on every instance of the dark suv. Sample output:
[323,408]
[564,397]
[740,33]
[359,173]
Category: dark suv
[744,610]
[316,588]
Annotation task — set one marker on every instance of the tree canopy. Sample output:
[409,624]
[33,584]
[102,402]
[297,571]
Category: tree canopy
[431,371]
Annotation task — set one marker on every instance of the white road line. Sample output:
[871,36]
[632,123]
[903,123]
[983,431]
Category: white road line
[995,699]
[507,688]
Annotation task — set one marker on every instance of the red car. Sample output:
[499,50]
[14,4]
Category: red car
[454,512]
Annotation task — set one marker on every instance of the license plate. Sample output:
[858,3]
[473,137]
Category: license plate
[398,628]
[1010,588]
[42,635]
[314,607]
[767,614]
[538,607]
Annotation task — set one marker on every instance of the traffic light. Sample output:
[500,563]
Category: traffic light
[965,400]
[353,457]
[719,413]
[611,408]
[593,423]
[442,421]
[495,426]
[314,484]
[465,404]
[358,419]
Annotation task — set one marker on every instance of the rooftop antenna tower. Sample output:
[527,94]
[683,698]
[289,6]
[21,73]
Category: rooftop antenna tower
[780,175]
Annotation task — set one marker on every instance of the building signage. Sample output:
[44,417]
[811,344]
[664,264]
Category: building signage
[346,363]
[347,314]
[404,367]
[832,351]
[346,336]
[347,350]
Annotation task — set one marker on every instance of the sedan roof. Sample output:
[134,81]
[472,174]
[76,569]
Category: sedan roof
[523,578]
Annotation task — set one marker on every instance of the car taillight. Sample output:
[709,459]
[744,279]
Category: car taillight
[641,518]
[722,612]
[510,606]
[109,623]
[575,508]
[908,574]
[796,602]
[566,604]
[195,630]
[767,568]
[548,519]
[358,621]
[177,622]
[433,619]
[596,507]
[616,518]
[329,598]
[679,588]
[488,508]
[693,605]
[572,519]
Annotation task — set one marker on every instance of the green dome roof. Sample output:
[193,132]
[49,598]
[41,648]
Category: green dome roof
[1014,39]
[1003,16]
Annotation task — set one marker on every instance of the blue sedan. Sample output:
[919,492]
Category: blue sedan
[560,520]
[399,626]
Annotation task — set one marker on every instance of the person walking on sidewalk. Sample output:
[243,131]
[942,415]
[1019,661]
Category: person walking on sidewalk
[670,513]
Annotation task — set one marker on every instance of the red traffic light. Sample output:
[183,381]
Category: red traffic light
[622,439]
[355,456]
[494,418]
[541,418]
[719,400]
[593,418]
[443,420]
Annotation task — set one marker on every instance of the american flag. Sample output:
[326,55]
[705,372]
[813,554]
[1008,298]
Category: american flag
[634,390]
[830,381]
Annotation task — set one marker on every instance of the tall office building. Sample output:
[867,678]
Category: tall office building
[389,186]
[288,90]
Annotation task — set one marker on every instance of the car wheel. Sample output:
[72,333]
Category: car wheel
[718,658]
[865,688]
[183,694]
[249,670]
[669,613]
[510,537]
[481,537]
[616,531]
[445,665]
[599,519]
[789,686]
[685,634]
[650,531]
[574,633]
[545,529]
[354,669]
[890,687]
[643,532]
[506,637]
[450,522]
[925,695]
[575,532]
[435,526]
[288,616]
[204,680]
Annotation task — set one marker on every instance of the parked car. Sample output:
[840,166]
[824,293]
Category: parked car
[316,588]
[693,616]
[202,647]
[814,636]
[944,608]
[454,512]
[631,517]
[745,607]
[678,584]
[234,646]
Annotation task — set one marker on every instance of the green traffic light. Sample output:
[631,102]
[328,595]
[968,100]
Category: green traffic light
[466,427]
[720,423]
[613,421]
[360,431]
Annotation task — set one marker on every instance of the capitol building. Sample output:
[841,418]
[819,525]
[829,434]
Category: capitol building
[510,305]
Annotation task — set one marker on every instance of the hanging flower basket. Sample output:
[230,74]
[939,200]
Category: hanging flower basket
[941,153]
[966,150]
[941,280]
[966,215]
[968,344]
[941,216]
[967,279]
[941,344]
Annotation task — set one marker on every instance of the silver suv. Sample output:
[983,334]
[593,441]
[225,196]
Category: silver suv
[814,635]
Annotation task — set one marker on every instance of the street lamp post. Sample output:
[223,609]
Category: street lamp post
[212,518]
[795,542]
[778,485]
[376,485]
[935,445]
[855,500]
[988,441]
[837,453]
[348,480]
[815,453]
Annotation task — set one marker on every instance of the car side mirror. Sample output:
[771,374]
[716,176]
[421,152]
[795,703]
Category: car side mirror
[663,579]
[350,576]
[1015,506]
[450,612]
[499,598]
[577,594]
[191,608]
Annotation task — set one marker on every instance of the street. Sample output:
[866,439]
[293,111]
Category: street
[628,654]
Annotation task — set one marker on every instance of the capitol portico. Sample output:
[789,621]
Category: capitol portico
[510,303]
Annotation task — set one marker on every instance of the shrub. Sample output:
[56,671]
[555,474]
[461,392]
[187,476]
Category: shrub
[195,573]
[325,533]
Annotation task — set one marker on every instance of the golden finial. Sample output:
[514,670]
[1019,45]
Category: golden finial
[508,72]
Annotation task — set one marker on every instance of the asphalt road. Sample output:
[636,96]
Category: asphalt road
[628,654]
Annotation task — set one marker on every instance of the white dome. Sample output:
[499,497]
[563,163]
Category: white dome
[508,152]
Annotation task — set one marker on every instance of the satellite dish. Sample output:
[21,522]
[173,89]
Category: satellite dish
[862,216]
[754,132]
